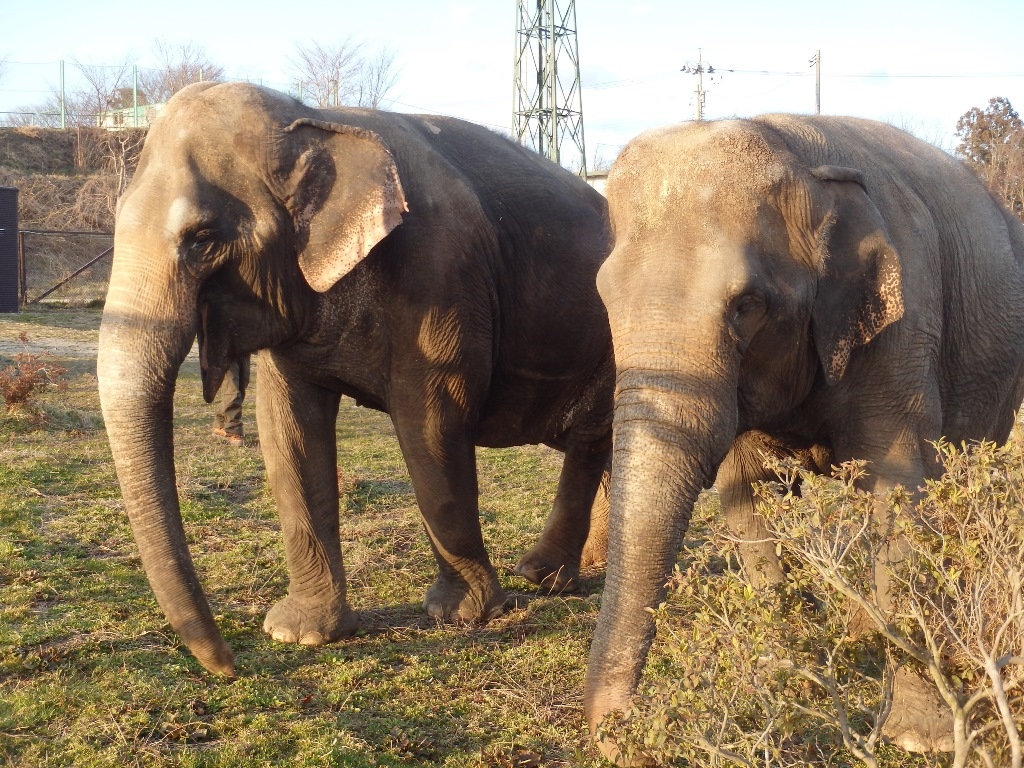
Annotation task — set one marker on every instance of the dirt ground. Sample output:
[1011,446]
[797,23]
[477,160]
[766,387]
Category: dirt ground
[64,332]
[60,332]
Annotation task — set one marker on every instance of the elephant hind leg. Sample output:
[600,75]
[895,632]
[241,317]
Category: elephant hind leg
[743,466]
[554,562]
[595,551]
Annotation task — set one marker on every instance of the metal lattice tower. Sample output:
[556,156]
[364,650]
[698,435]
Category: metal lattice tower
[547,107]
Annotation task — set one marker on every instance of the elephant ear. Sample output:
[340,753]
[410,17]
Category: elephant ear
[860,290]
[344,196]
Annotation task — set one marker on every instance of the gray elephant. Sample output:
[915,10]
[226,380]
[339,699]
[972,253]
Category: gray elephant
[424,266]
[825,287]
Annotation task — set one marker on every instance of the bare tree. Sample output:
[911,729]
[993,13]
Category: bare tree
[600,161]
[78,108]
[330,74]
[177,66]
[110,87]
[35,114]
[107,86]
[378,76]
[333,75]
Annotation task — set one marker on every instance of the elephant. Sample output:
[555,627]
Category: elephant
[821,287]
[421,265]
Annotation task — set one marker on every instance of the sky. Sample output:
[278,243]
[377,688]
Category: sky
[919,64]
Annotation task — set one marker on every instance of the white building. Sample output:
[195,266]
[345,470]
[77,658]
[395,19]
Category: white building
[597,179]
[129,117]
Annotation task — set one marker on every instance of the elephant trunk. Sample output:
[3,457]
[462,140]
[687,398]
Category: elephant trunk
[672,429]
[139,356]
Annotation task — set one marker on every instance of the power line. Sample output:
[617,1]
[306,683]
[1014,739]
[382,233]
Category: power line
[784,73]
[428,111]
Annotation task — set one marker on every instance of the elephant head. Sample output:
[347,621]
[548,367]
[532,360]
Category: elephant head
[243,207]
[740,278]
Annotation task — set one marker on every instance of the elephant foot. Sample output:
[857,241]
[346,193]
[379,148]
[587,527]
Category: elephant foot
[548,572]
[919,720]
[610,752]
[609,749]
[292,621]
[460,603]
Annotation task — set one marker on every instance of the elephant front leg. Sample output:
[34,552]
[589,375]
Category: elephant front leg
[296,424]
[743,466]
[442,465]
[554,563]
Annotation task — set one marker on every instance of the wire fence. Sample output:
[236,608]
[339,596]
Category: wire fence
[64,267]
[32,94]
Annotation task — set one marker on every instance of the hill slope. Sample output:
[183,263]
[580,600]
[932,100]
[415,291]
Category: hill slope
[68,179]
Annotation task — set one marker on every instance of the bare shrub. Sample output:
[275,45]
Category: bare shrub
[778,679]
[104,162]
[121,151]
[29,375]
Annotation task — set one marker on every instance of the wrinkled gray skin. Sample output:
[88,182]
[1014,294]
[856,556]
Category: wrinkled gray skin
[424,266]
[824,287]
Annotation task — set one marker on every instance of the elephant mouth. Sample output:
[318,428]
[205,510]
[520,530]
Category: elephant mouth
[213,363]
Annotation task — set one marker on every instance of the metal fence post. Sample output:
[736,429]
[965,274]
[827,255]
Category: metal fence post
[22,272]
[63,111]
[9,249]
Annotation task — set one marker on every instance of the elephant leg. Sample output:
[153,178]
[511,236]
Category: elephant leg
[898,452]
[442,466]
[438,379]
[743,466]
[296,423]
[554,562]
[595,551]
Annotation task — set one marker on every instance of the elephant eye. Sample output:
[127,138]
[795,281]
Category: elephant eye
[748,313]
[201,243]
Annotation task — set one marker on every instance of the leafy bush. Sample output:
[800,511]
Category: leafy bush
[29,375]
[791,678]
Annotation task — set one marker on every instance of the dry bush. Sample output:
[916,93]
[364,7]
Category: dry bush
[777,679]
[68,180]
[29,375]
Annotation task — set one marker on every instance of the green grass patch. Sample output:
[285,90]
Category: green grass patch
[92,675]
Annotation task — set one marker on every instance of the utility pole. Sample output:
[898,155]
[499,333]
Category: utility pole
[63,109]
[698,69]
[547,104]
[815,62]
[699,101]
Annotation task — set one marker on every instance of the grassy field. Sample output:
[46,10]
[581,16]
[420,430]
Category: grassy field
[92,675]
